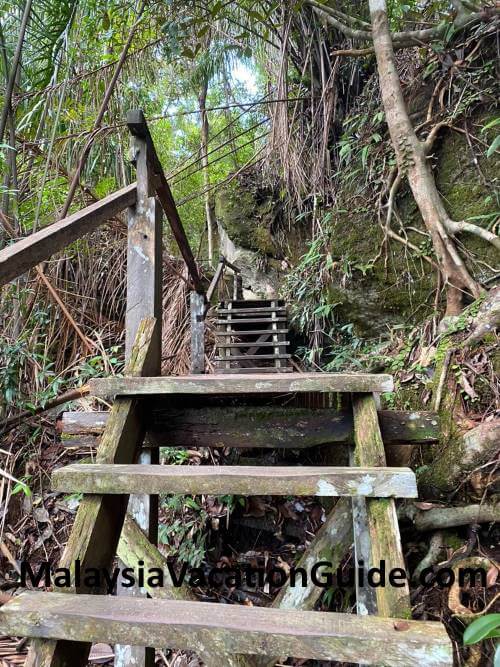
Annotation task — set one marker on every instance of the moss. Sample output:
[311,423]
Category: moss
[452,540]
[438,473]
[247,217]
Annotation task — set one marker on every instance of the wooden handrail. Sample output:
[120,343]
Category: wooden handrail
[223,262]
[138,127]
[217,276]
[23,255]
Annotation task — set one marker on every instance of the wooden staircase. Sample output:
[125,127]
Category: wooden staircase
[65,624]
[252,337]
[217,410]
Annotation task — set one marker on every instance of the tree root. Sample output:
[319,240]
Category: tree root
[455,227]
[432,556]
[487,319]
[450,517]
[454,601]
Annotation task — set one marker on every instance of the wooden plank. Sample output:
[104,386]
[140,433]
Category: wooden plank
[249,332]
[135,547]
[23,255]
[215,280]
[241,629]
[197,307]
[253,344]
[382,527]
[144,263]
[144,299]
[366,596]
[255,369]
[325,481]
[250,384]
[251,311]
[253,357]
[250,320]
[138,127]
[270,427]
[98,522]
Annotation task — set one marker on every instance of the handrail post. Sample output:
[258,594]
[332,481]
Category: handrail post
[144,299]
[197,307]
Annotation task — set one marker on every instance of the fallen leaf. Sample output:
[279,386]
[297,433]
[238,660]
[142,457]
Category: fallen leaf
[41,515]
[492,576]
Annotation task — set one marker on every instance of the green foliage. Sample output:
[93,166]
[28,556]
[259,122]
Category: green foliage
[184,535]
[482,628]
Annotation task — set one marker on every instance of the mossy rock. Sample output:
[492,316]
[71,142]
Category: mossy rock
[247,217]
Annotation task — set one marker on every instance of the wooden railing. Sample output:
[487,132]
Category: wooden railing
[219,273]
[30,251]
[200,303]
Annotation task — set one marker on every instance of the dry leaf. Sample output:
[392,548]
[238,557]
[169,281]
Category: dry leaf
[492,576]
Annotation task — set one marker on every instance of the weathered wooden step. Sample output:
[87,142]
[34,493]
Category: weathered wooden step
[253,357]
[102,478]
[240,629]
[274,383]
[253,320]
[251,303]
[251,311]
[250,332]
[260,427]
[254,343]
[254,369]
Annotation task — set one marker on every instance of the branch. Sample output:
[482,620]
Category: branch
[455,227]
[405,39]
[71,395]
[354,33]
[349,20]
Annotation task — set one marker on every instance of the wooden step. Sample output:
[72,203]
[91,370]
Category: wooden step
[254,343]
[252,303]
[251,311]
[109,478]
[260,426]
[253,357]
[252,320]
[250,332]
[250,384]
[259,369]
[247,630]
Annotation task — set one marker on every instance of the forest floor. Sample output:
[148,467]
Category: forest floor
[261,531]
[271,532]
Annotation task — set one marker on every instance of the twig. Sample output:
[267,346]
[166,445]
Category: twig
[442,379]
[65,311]
[71,395]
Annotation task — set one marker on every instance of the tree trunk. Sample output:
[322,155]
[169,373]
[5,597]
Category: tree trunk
[412,162]
[209,211]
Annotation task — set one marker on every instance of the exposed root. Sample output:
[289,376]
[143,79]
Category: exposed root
[432,556]
[454,599]
[463,226]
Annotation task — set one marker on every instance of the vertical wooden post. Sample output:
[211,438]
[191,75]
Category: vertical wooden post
[144,299]
[197,305]
[237,286]
[278,338]
[376,528]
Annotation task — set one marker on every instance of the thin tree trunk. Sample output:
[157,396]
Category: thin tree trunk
[209,211]
[13,70]
[412,162]
[100,115]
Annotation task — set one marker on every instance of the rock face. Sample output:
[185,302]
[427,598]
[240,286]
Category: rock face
[398,288]
[247,216]
[260,277]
